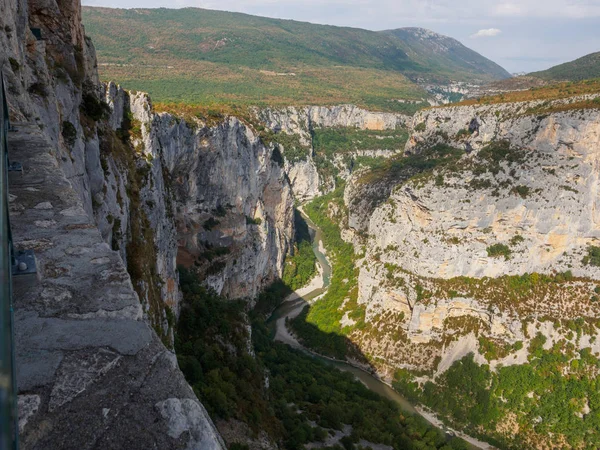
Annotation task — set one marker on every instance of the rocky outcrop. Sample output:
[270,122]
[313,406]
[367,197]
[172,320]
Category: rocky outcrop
[303,173]
[441,248]
[207,188]
[143,188]
[301,121]
[304,179]
[91,372]
[543,124]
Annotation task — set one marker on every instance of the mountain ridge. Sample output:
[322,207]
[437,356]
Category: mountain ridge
[237,58]
[583,68]
[422,41]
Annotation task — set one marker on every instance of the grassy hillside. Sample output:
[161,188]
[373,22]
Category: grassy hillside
[550,92]
[201,56]
[581,69]
[445,57]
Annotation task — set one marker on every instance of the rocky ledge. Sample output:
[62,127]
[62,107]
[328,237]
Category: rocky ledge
[91,373]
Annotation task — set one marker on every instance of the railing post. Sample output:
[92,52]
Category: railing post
[9,419]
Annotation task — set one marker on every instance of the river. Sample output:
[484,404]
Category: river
[294,305]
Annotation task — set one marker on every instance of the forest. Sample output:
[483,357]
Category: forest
[304,400]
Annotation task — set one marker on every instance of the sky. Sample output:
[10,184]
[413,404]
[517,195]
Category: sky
[520,35]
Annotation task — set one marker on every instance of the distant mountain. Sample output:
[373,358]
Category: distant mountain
[581,69]
[197,56]
[441,57]
[585,68]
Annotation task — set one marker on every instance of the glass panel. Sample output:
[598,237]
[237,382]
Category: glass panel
[7,385]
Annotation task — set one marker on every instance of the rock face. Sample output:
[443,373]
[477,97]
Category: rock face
[210,187]
[489,252]
[169,201]
[91,372]
[128,191]
[307,183]
[301,121]
[441,248]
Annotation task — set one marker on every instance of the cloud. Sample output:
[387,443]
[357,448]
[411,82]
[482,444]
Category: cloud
[487,32]
[573,9]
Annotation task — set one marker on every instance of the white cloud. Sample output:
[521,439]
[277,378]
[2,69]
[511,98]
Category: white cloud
[487,32]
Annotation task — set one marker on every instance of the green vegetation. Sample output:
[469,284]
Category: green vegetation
[253,221]
[320,328]
[69,133]
[198,56]
[521,190]
[293,149]
[416,167]
[554,91]
[498,250]
[516,240]
[492,156]
[332,142]
[520,292]
[305,399]
[497,349]
[543,399]
[94,108]
[213,252]
[225,382]
[14,64]
[584,68]
[210,223]
[593,256]
[301,267]
[497,157]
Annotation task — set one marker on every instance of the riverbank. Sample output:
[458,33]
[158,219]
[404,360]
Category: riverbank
[291,309]
[431,417]
[316,283]
[297,301]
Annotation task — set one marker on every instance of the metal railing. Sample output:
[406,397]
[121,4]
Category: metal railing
[9,423]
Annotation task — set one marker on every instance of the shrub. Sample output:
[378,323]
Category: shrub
[14,64]
[93,108]
[210,223]
[253,221]
[220,211]
[593,256]
[420,127]
[498,250]
[462,133]
[522,191]
[516,239]
[69,133]
[38,89]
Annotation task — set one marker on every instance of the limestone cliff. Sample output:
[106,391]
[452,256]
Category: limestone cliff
[210,188]
[525,185]
[483,241]
[303,166]
[152,187]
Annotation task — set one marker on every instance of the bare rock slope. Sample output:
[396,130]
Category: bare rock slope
[91,372]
